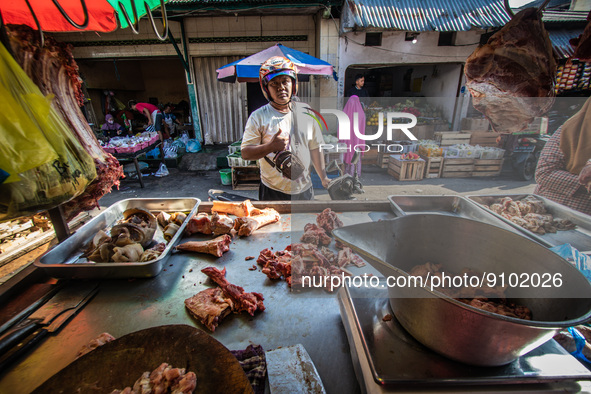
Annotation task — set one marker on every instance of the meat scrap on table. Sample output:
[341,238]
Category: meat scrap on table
[217,246]
[531,214]
[490,299]
[312,257]
[211,305]
[164,379]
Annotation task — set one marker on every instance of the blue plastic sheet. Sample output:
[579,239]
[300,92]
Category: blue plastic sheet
[580,260]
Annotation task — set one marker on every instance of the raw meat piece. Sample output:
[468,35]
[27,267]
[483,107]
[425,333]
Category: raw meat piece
[54,71]
[105,337]
[275,265]
[315,235]
[512,77]
[199,224]
[248,302]
[209,306]
[217,246]
[328,220]
[221,224]
[247,225]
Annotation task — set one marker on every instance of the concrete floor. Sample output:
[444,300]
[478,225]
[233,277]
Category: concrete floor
[377,184]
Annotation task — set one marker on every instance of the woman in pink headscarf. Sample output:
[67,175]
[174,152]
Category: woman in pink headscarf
[354,106]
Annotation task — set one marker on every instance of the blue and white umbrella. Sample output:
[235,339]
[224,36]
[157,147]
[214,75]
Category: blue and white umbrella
[247,69]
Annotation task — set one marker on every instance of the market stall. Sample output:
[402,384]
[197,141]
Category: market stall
[324,322]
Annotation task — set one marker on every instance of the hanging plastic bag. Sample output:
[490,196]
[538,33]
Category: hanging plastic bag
[46,163]
[162,171]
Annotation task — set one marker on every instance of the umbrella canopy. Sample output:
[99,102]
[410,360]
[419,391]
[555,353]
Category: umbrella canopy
[86,15]
[247,69]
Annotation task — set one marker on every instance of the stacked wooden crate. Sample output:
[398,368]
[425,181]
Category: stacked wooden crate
[487,167]
[457,168]
[449,138]
[482,138]
[406,170]
[433,166]
[481,124]
[246,178]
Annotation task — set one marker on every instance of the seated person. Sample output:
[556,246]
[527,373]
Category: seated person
[111,128]
[171,123]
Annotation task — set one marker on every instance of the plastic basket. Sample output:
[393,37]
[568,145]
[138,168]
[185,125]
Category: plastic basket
[492,154]
[236,160]
[234,147]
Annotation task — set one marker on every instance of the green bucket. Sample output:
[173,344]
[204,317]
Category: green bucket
[226,176]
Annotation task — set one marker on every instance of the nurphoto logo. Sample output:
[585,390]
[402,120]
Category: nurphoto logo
[344,130]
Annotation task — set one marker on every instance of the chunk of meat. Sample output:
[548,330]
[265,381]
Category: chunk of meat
[209,306]
[512,77]
[247,225]
[105,337]
[217,246]
[243,301]
[315,235]
[328,220]
[201,223]
[221,224]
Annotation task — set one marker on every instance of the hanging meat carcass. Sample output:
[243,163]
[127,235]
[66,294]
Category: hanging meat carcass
[512,77]
[54,71]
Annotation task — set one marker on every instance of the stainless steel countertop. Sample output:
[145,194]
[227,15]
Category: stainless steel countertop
[122,306]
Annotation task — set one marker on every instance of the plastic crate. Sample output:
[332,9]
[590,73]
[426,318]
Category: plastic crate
[316,183]
[236,160]
[234,147]
[492,154]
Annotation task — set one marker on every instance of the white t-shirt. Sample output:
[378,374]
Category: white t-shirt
[260,128]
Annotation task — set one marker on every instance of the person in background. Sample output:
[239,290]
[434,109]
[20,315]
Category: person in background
[358,89]
[151,112]
[273,128]
[170,121]
[563,173]
[354,106]
[111,128]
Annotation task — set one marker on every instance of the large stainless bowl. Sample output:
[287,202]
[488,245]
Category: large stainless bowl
[454,329]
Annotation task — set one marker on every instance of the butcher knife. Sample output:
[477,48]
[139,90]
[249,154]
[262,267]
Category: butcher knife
[292,371]
[70,298]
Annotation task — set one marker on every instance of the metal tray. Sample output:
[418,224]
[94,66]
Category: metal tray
[445,205]
[579,238]
[65,261]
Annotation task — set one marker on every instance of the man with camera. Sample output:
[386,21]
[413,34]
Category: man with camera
[273,137]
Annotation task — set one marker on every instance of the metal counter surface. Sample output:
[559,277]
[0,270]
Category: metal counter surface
[122,306]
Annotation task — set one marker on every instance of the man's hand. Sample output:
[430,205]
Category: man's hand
[585,176]
[325,182]
[278,142]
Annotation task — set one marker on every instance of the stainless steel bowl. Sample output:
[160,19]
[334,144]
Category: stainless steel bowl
[457,330]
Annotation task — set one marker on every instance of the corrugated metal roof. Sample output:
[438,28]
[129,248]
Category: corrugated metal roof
[425,15]
[565,16]
[560,42]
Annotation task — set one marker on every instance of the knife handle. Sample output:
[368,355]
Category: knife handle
[16,335]
[23,347]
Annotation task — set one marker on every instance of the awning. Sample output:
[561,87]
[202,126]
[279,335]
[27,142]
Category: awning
[424,15]
[560,41]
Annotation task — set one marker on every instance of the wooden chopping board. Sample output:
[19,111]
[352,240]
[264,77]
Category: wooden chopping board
[120,363]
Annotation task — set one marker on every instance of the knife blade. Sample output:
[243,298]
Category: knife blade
[66,299]
[42,331]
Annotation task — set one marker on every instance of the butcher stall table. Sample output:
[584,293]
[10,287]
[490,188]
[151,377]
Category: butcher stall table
[133,156]
[122,306]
